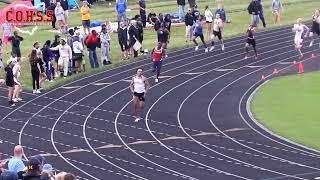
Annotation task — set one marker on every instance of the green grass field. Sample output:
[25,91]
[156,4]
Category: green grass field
[293,9]
[289,106]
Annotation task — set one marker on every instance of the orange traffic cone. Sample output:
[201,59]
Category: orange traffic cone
[301,70]
[275,71]
[313,55]
[263,78]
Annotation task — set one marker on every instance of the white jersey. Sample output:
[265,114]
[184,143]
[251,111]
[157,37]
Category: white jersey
[138,85]
[298,29]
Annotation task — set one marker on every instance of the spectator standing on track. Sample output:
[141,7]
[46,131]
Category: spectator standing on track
[300,31]
[10,81]
[181,5]
[315,29]
[276,11]
[121,7]
[251,41]
[142,8]
[189,21]
[158,55]
[15,41]
[16,164]
[35,63]
[123,40]
[139,86]
[91,42]
[261,14]
[85,17]
[65,53]
[253,10]
[209,18]
[217,32]
[198,32]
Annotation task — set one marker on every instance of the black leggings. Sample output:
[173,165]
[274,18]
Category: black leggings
[35,79]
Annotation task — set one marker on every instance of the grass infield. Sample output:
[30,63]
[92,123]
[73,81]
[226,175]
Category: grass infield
[289,107]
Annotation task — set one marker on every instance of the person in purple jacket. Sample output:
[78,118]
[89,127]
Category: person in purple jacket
[47,58]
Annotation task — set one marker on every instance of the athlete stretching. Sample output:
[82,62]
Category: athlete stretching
[217,31]
[299,30]
[138,86]
[251,41]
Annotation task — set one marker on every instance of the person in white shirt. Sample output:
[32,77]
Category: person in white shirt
[78,50]
[209,16]
[139,86]
[17,81]
[217,32]
[105,46]
[6,29]
[65,55]
[300,31]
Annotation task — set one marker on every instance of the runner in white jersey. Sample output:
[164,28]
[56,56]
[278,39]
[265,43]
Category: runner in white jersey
[299,30]
[139,86]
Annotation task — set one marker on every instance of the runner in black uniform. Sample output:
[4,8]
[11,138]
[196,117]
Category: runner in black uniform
[251,41]
[315,26]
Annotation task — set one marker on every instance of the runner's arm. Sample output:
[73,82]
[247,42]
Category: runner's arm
[131,86]
[147,85]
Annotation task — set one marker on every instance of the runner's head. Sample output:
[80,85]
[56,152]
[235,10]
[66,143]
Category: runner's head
[317,12]
[207,7]
[299,20]
[139,71]
[159,45]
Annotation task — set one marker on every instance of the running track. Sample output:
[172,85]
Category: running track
[197,122]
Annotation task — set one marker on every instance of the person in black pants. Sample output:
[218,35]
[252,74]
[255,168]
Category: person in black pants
[35,72]
[261,14]
[123,40]
[142,7]
[15,41]
[134,36]
[51,7]
[10,81]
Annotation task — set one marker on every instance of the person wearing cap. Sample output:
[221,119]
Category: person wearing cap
[16,164]
[34,168]
[85,17]
[9,81]
[65,53]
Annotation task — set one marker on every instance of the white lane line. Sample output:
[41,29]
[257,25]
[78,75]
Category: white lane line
[255,66]
[70,87]
[147,114]
[211,121]
[194,73]
[221,70]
